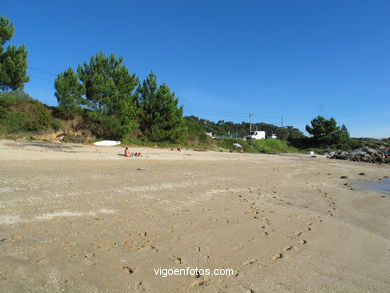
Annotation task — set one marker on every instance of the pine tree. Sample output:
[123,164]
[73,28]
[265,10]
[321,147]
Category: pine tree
[69,93]
[325,132]
[161,118]
[13,60]
[146,96]
[110,94]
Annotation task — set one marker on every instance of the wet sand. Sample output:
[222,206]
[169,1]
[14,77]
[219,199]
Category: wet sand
[381,186]
[85,219]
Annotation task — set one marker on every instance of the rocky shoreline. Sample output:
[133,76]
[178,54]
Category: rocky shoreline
[364,154]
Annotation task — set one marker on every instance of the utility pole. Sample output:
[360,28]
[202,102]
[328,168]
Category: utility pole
[250,122]
[281,119]
[204,125]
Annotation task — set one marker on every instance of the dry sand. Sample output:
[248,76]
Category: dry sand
[84,219]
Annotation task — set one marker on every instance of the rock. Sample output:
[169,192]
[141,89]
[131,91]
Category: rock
[365,154]
[341,155]
[370,150]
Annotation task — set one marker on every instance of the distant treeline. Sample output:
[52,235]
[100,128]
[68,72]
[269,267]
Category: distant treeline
[229,128]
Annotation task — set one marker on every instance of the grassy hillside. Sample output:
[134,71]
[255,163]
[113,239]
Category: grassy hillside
[19,113]
[266,146]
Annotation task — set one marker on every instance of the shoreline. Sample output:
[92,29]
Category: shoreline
[381,186]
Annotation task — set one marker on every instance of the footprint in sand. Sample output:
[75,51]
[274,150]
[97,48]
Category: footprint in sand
[303,241]
[146,248]
[178,260]
[278,256]
[141,287]
[128,270]
[199,282]
[89,255]
[249,262]
[288,248]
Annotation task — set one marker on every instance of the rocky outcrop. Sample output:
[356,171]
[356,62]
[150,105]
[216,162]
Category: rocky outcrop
[364,154]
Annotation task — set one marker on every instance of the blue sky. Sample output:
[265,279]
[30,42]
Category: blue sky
[226,59]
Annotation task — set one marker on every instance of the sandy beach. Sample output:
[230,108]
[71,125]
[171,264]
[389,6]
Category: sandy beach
[77,218]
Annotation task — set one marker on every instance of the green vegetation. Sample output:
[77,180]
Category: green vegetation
[272,146]
[102,99]
[369,142]
[20,113]
[69,93]
[161,119]
[105,91]
[326,133]
[13,60]
[116,105]
[266,146]
[195,135]
[228,128]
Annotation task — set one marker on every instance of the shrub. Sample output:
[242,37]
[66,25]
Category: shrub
[74,138]
[20,113]
[267,146]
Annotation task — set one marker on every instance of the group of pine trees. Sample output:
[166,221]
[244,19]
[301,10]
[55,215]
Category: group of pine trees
[117,104]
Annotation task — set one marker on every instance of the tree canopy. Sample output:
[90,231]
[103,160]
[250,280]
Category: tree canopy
[326,132]
[69,93]
[116,103]
[13,60]
[161,119]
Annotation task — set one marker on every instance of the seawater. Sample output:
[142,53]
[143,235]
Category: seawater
[382,186]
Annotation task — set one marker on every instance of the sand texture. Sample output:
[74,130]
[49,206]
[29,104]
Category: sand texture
[84,219]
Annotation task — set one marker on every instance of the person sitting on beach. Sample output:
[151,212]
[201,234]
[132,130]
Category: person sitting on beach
[133,155]
[127,153]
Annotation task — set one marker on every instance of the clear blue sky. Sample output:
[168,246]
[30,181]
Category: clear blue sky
[225,59]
